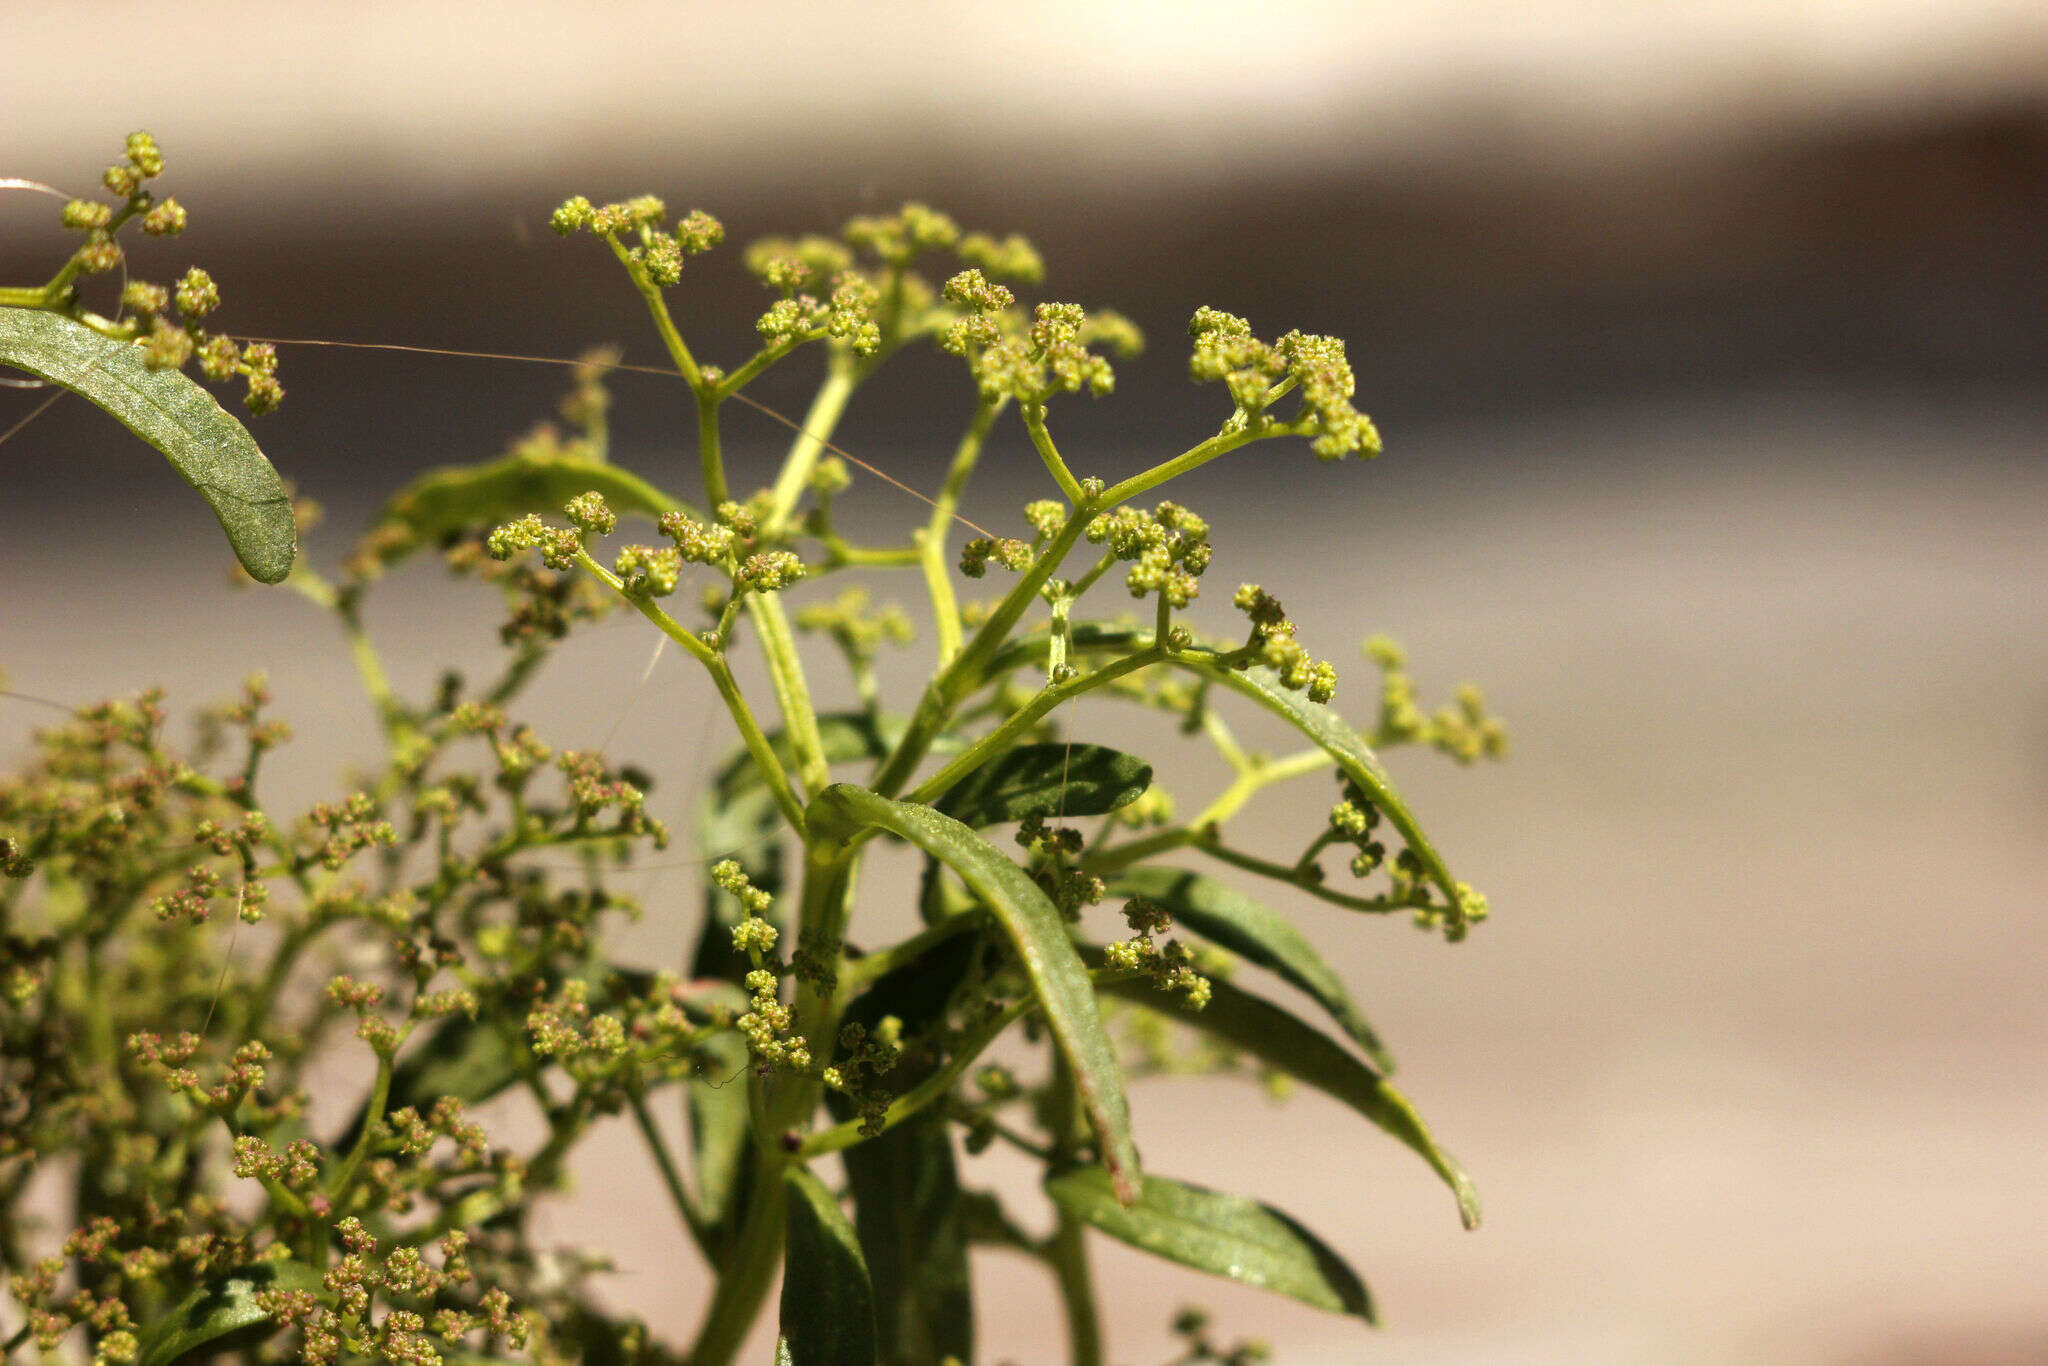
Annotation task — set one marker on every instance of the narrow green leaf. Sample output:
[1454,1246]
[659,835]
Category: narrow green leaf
[720,1131]
[1223,915]
[1049,780]
[1337,739]
[828,1307]
[211,450]
[1040,937]
[1224,1235]
[226,1307]
[449,498]
[906,1202]
[1278,1039]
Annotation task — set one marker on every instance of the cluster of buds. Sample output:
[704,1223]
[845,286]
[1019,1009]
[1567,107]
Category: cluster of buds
[1465,730]
[655,253]
[865,1059]
[845,316]
[1257,374]
[335,833]
[1169,966]
[1010,553]
[858,632]
[767,1020]
[1192,1325]
[1070,888]
[1272,643]
[1167,548]
[1031,362]
[168,321]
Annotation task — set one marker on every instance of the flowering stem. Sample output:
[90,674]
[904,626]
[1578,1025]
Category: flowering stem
[931,546]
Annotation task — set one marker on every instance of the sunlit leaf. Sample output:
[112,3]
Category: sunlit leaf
[828,1307]
[213,1316]
[211,450]
[1223,915]
[1273,1036]
[1049,780]
[1224,1235]
[1036,931]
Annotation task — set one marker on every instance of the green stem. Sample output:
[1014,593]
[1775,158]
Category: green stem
[795,476]
[380,1096]
[750,731]
[671,1178]
[1222,443]
[744,1279]
[1067,1249]
[931,547]
[792,692]
[958,678]
[1000,739]
[710,453]
[1034,423]
[657,308]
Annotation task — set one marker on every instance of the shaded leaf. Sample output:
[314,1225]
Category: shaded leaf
[907,1211]
[720,1133]
[1224,1235]
[828,1307]
[215,1313]
[1223,915]
[1038,934]
[1280,1040]
[211,450]
[451,498]
[1049,780]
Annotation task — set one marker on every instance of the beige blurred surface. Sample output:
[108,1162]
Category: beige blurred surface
[1748,1064]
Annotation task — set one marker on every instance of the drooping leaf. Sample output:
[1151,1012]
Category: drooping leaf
[1223,915]
[1038,934]
[828,1306]
[1335,736]
[449,498]
[1049,780]
[211,450]
[907,1211]
[1224,1235]
[212,1316]
[1281,1041]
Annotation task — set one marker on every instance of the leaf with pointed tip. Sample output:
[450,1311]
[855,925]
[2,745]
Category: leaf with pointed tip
[215,1313]
[1224,1235]
[1281,1041]
[1049,780]
[1223,915]
[828,1307]
[1036,931]
[211,450]
[450,498]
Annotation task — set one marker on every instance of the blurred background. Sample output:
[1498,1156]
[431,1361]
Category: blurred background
[1708,343]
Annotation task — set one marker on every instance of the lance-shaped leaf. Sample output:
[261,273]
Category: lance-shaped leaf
[1036,931]
[1223,915]
[907,1210]
[210,449]
[721,1132]
[1049,780]
[828,1308]
[223,1313]
[1281,1041]
[1224,1235]
[1337,739]
[449,498]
